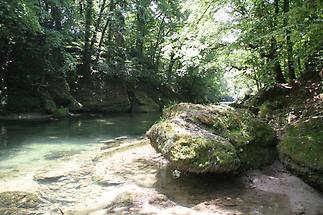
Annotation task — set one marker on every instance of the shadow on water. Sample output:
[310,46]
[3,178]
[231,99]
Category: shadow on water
[222,193]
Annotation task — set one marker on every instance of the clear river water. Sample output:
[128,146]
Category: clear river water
[25,144]
[65,162]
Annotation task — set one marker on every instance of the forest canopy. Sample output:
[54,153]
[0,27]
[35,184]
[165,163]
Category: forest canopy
[196,49]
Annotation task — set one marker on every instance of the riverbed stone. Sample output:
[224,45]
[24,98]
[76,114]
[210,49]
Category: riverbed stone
[136,202]
[301,149]
[61,154]
[17,202]
[49,176]
[210,138]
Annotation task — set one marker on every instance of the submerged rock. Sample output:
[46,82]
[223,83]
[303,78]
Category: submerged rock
[138,203]
[61,154]
[17,202]
[218,139]
[301,149]
[49,176]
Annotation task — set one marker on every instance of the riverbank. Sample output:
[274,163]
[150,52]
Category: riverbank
[132,178]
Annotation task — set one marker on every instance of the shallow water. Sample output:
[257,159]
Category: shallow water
[64,164]
[26,144]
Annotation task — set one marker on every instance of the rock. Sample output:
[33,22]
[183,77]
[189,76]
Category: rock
[301,149]
[121,138]
[13,211]
[60,92]
[103,96]
[143,103]
[61,154]
[61,112]
[48,103]
[108,141]
[190,150]
[104,148]
[269,94]
[49,176]
[132,202]
[106,181]
[16,202]
[216,139]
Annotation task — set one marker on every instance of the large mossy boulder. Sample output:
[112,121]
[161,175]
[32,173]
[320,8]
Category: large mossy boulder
[17,202]
[301,149]
[217,139]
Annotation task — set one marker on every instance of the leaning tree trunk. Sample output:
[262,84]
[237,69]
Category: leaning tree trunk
[105,28]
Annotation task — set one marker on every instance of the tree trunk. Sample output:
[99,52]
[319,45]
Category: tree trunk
[81,7]
[107,25]
[141,31]
[158,39]
[86,67]
[97,25]
[170,66]
[279,76]
[290,63]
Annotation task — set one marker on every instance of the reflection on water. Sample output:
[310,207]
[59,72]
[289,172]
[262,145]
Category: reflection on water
[28,142]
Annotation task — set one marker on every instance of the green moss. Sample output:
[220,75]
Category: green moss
[193,152]
[16,199]
[241,128]
[61,112]
[47,102]
[253,156]
[200,154]
[303,143]
[199,138]
[13,211]
[265,110]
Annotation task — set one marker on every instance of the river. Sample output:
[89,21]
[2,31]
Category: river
[76,166]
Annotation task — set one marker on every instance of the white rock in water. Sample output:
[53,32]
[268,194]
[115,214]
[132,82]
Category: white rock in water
[121,138]
[49,176]
[108,141]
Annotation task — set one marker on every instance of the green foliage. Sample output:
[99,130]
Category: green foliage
[194,50]
[61,112]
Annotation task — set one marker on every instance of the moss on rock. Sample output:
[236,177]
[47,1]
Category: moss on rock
[15,200]
[212,138]
[61,112]
[48,103]
[301,149]
[190,151]
[142,102]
